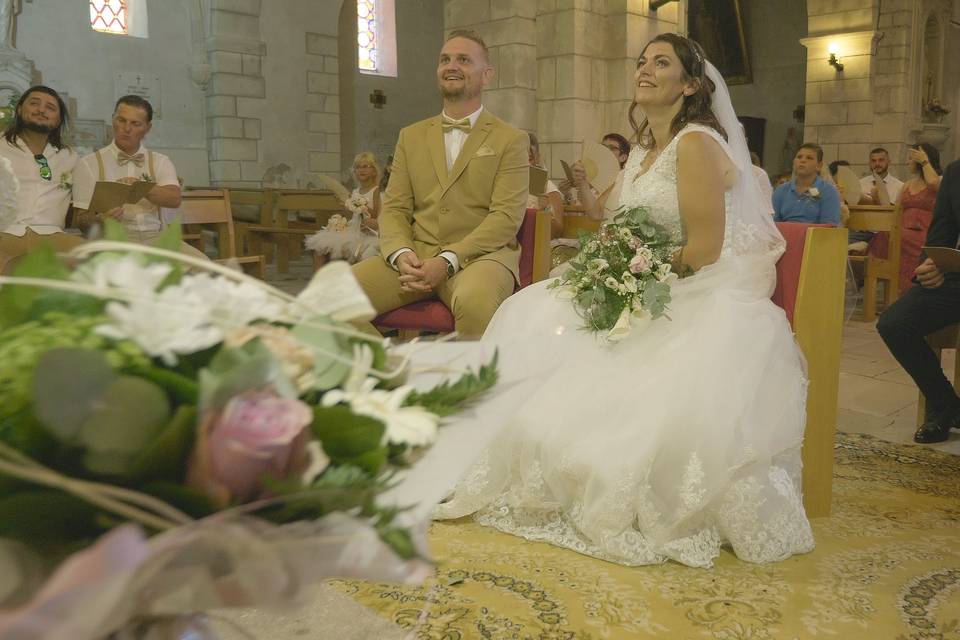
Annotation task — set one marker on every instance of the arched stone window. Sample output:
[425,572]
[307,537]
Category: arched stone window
[376,37]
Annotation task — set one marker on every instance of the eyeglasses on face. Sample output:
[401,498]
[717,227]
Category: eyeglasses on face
[45,172]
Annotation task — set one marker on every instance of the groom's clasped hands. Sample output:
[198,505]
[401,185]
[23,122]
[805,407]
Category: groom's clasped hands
[421,275]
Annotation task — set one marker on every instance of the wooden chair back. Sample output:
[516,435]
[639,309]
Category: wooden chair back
[313,208]
[883,220]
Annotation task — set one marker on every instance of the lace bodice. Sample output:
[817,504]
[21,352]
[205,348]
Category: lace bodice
[657,188]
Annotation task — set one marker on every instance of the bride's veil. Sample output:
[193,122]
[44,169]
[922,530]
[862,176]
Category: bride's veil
[749,206]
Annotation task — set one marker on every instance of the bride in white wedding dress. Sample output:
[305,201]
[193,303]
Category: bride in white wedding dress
[686,435]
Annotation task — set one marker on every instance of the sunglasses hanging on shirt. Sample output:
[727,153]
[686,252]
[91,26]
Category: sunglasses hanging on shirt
[45,171]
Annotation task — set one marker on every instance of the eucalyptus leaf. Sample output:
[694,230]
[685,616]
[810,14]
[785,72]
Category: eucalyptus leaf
[235,370]
[67,384]
[329,371]
[128,416]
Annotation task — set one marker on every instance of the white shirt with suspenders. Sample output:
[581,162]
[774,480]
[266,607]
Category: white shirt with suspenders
[142,218]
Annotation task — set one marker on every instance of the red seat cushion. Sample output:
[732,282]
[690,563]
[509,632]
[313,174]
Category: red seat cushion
[788,267]
[434,316]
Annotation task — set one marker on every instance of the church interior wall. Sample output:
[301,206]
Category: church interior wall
[412,95]
[72,58]
[778,62]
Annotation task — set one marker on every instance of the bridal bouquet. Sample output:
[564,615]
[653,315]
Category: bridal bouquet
[358,206]
[620,271]
[226,442]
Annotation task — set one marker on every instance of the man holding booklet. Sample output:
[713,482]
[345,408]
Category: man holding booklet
[928,307]
[126,181]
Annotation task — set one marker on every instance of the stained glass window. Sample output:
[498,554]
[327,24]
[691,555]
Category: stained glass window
[367,37]
[109,16]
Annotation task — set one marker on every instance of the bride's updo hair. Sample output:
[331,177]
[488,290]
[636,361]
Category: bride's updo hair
[695,107]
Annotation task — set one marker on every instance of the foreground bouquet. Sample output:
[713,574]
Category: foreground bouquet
[230,440]
[622,270]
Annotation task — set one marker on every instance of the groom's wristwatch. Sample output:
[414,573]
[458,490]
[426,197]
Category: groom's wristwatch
[451,270]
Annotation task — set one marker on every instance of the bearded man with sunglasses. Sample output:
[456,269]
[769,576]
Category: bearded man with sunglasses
[42,164]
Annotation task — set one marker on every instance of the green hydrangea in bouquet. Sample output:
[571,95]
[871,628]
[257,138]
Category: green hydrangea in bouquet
[195,438]
[621,271]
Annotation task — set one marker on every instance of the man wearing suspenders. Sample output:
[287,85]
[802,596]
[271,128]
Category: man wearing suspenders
[127,160]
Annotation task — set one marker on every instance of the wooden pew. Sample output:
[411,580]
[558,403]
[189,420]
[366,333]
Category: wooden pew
[311,211]
[200,208]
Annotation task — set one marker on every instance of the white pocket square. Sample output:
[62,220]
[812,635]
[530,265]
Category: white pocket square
[484,150]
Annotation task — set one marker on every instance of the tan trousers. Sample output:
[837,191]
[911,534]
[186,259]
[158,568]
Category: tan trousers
[12,247]
[473,294]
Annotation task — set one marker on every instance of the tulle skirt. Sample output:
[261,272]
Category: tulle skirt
[351,244]
[681,438]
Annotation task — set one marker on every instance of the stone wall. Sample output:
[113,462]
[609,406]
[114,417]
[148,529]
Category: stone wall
[877,99]
[778,62]
[72,58]
[411,96]
[564,67]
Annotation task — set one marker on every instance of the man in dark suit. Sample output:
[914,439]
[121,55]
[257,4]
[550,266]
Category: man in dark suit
[931,305]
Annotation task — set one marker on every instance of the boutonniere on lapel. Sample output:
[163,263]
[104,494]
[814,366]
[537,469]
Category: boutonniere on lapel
[813,193]
[66,181]
[485,150]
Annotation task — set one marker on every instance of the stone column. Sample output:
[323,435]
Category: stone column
[323,103]
[236,87]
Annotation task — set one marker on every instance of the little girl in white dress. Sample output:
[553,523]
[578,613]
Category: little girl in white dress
[352,237]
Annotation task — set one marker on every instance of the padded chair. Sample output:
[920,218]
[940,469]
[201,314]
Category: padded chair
[879,219]
[432,316]
[810,289]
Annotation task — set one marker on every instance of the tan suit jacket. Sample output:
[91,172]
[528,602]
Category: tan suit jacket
[475,211]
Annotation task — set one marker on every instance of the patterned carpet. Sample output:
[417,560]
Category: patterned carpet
[887,565]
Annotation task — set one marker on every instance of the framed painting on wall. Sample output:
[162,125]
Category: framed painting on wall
[718,26]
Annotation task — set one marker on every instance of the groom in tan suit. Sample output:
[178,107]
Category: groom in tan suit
[455,201]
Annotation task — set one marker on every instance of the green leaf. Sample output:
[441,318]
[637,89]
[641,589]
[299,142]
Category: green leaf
[191,501]
[165,458]
[235,370]
[129,414]
[656,297]
[329,370]
[170,238]
[113,230]
[344,435]
[449,398]
[67,384]
[46,519]
[181,388]
[17,300]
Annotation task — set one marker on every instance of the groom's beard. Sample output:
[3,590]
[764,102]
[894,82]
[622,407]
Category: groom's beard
[38,127]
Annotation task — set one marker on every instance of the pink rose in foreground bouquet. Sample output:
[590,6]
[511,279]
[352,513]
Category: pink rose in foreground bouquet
[257,433]
[639,263]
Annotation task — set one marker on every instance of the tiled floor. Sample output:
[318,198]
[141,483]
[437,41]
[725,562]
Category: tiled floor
[876,396]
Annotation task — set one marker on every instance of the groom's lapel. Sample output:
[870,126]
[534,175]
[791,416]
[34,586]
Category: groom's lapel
[438,153]
[477,135]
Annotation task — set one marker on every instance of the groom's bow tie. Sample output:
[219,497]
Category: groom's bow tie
[447,123]
[124,158]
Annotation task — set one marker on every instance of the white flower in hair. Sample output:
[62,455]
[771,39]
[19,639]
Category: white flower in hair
[9,189]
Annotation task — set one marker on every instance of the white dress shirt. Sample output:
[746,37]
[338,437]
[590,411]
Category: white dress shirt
[142,216]
[452,143]
[894,186]
[41,204]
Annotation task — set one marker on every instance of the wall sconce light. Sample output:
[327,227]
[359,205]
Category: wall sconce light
[834,61]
